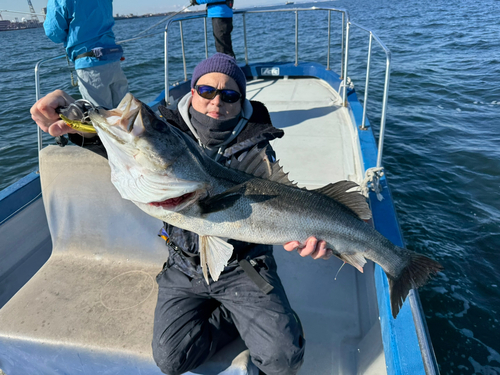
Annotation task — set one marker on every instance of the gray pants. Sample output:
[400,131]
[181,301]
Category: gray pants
[193,320]
[103,85]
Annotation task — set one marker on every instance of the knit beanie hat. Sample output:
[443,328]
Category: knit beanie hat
[221,63]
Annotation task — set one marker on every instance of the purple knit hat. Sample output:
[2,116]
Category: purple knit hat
[221,63]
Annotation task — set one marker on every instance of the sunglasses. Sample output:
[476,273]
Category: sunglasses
[209,92]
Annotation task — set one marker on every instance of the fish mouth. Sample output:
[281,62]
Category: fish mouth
[180,202]
[120,123]
[172,203]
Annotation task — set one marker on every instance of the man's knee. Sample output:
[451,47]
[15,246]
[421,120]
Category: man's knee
[168,359]
[281,359]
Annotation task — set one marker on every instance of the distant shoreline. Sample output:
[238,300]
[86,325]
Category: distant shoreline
[124,17]
[7,25]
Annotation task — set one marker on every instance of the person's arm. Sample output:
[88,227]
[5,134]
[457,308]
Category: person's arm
[43,112]
[57,21]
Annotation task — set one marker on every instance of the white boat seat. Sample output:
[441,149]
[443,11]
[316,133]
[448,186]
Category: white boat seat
[89,309]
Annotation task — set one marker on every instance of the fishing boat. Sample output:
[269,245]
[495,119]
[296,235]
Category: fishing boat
[78,263]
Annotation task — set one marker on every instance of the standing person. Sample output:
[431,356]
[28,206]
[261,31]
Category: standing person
[221,13]
[85,28]
[193,319]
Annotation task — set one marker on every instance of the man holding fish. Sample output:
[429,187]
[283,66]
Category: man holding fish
[210,113]
[209,172]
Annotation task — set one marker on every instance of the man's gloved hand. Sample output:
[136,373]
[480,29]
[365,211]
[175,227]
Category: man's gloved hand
[193,3]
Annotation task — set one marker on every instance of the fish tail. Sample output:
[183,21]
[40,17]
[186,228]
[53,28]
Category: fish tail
[416,274]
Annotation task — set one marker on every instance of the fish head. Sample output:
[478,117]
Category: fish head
[149,159]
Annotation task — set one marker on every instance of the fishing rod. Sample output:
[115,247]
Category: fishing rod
[166,18]
[149,28]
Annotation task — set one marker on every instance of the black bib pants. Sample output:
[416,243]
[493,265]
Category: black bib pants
[194,320]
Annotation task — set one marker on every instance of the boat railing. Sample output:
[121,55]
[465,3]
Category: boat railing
[38,93]
[181,19]
[344,56]
[346,24]
[372,36]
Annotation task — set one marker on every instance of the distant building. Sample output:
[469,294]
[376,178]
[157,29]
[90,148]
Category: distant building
[4,25]
[25,24]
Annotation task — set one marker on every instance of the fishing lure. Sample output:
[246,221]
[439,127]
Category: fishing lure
[78,125]
[76,115]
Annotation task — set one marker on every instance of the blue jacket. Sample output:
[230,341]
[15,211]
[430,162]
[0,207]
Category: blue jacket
[81,26]
[216,11]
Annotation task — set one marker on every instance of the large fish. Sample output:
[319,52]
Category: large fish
[167,175]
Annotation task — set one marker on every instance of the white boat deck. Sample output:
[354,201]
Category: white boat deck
[95,296]
[316,127]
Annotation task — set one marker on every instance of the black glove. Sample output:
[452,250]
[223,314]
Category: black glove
[193,3]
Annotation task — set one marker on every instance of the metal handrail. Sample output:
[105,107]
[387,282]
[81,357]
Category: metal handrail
[386,86]
[245,38]
[183,52]
[345,18]
[37,94]
[345,15]
[206,37]
[296,38]
[344,57]
[170,21]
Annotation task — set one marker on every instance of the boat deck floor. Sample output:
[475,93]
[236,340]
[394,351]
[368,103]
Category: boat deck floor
[317,147]
[92,303]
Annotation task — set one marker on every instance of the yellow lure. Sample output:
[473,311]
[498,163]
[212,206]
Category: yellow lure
[77,125]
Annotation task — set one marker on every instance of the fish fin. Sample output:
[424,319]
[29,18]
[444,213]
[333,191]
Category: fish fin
[353,200]
[356,260]
[214,253]
[414,275]
[203,257]
[256,163]
[223,200]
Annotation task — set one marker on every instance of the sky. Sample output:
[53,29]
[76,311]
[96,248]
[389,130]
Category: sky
[119,6]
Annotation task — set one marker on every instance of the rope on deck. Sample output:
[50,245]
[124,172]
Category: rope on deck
[348,85]
[372,182]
